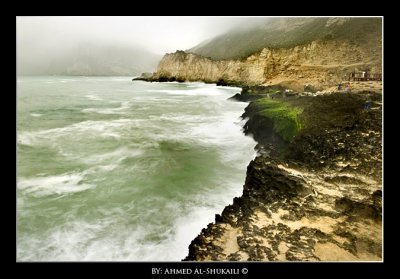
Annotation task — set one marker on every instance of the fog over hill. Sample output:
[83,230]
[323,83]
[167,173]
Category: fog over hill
[109,45]
[87,58]
[246,39]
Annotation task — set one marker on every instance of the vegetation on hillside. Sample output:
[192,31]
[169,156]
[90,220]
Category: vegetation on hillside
[289,32]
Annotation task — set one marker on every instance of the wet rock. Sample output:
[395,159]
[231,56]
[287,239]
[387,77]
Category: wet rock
[358,209]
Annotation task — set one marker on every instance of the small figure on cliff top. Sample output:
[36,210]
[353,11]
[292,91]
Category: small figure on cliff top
[367,105]
[363,75]
[339,87]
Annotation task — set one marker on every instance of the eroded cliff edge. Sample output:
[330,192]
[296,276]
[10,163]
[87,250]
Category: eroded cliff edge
[317,197]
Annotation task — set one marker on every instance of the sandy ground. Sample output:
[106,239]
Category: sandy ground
[358,86]
[333,250]
[355,86]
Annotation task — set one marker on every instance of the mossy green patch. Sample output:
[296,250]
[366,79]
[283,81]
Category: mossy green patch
[284,116]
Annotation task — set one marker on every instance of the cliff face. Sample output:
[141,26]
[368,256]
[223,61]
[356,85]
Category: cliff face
[320,64]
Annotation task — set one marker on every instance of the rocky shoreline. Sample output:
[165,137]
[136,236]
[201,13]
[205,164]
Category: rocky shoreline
[317,197]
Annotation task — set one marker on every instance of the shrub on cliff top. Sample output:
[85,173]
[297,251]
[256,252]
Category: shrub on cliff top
[285,117]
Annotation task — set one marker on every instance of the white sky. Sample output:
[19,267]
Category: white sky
[157,34]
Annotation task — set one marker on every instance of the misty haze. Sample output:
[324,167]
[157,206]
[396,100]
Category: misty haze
[115,46]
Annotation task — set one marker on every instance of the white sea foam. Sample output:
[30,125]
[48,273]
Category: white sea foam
[128,79]
[195,84]
[182,118]
[67,80]
[36,114]
[82,129]
[118,110]
[211,91]
[58,184]
[115,237]
[108,167]
[114,156]
[94,97]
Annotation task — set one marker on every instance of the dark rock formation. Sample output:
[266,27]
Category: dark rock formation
[144,77]
[316,198]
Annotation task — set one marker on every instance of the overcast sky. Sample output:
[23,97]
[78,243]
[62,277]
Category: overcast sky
[157,34]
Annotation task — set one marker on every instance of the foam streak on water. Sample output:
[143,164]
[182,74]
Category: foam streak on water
[110,169]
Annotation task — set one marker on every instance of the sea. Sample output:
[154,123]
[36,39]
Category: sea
[110,169]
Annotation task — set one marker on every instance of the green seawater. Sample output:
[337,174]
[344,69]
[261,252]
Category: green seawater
[114,170]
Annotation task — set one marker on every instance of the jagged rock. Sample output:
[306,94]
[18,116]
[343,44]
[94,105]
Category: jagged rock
[294,207]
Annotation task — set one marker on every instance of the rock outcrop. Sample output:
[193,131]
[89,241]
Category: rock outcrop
[316,198]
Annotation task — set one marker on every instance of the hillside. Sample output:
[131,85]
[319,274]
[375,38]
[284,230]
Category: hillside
[289,32]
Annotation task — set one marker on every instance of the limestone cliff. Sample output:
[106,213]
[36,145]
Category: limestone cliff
[320,64]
